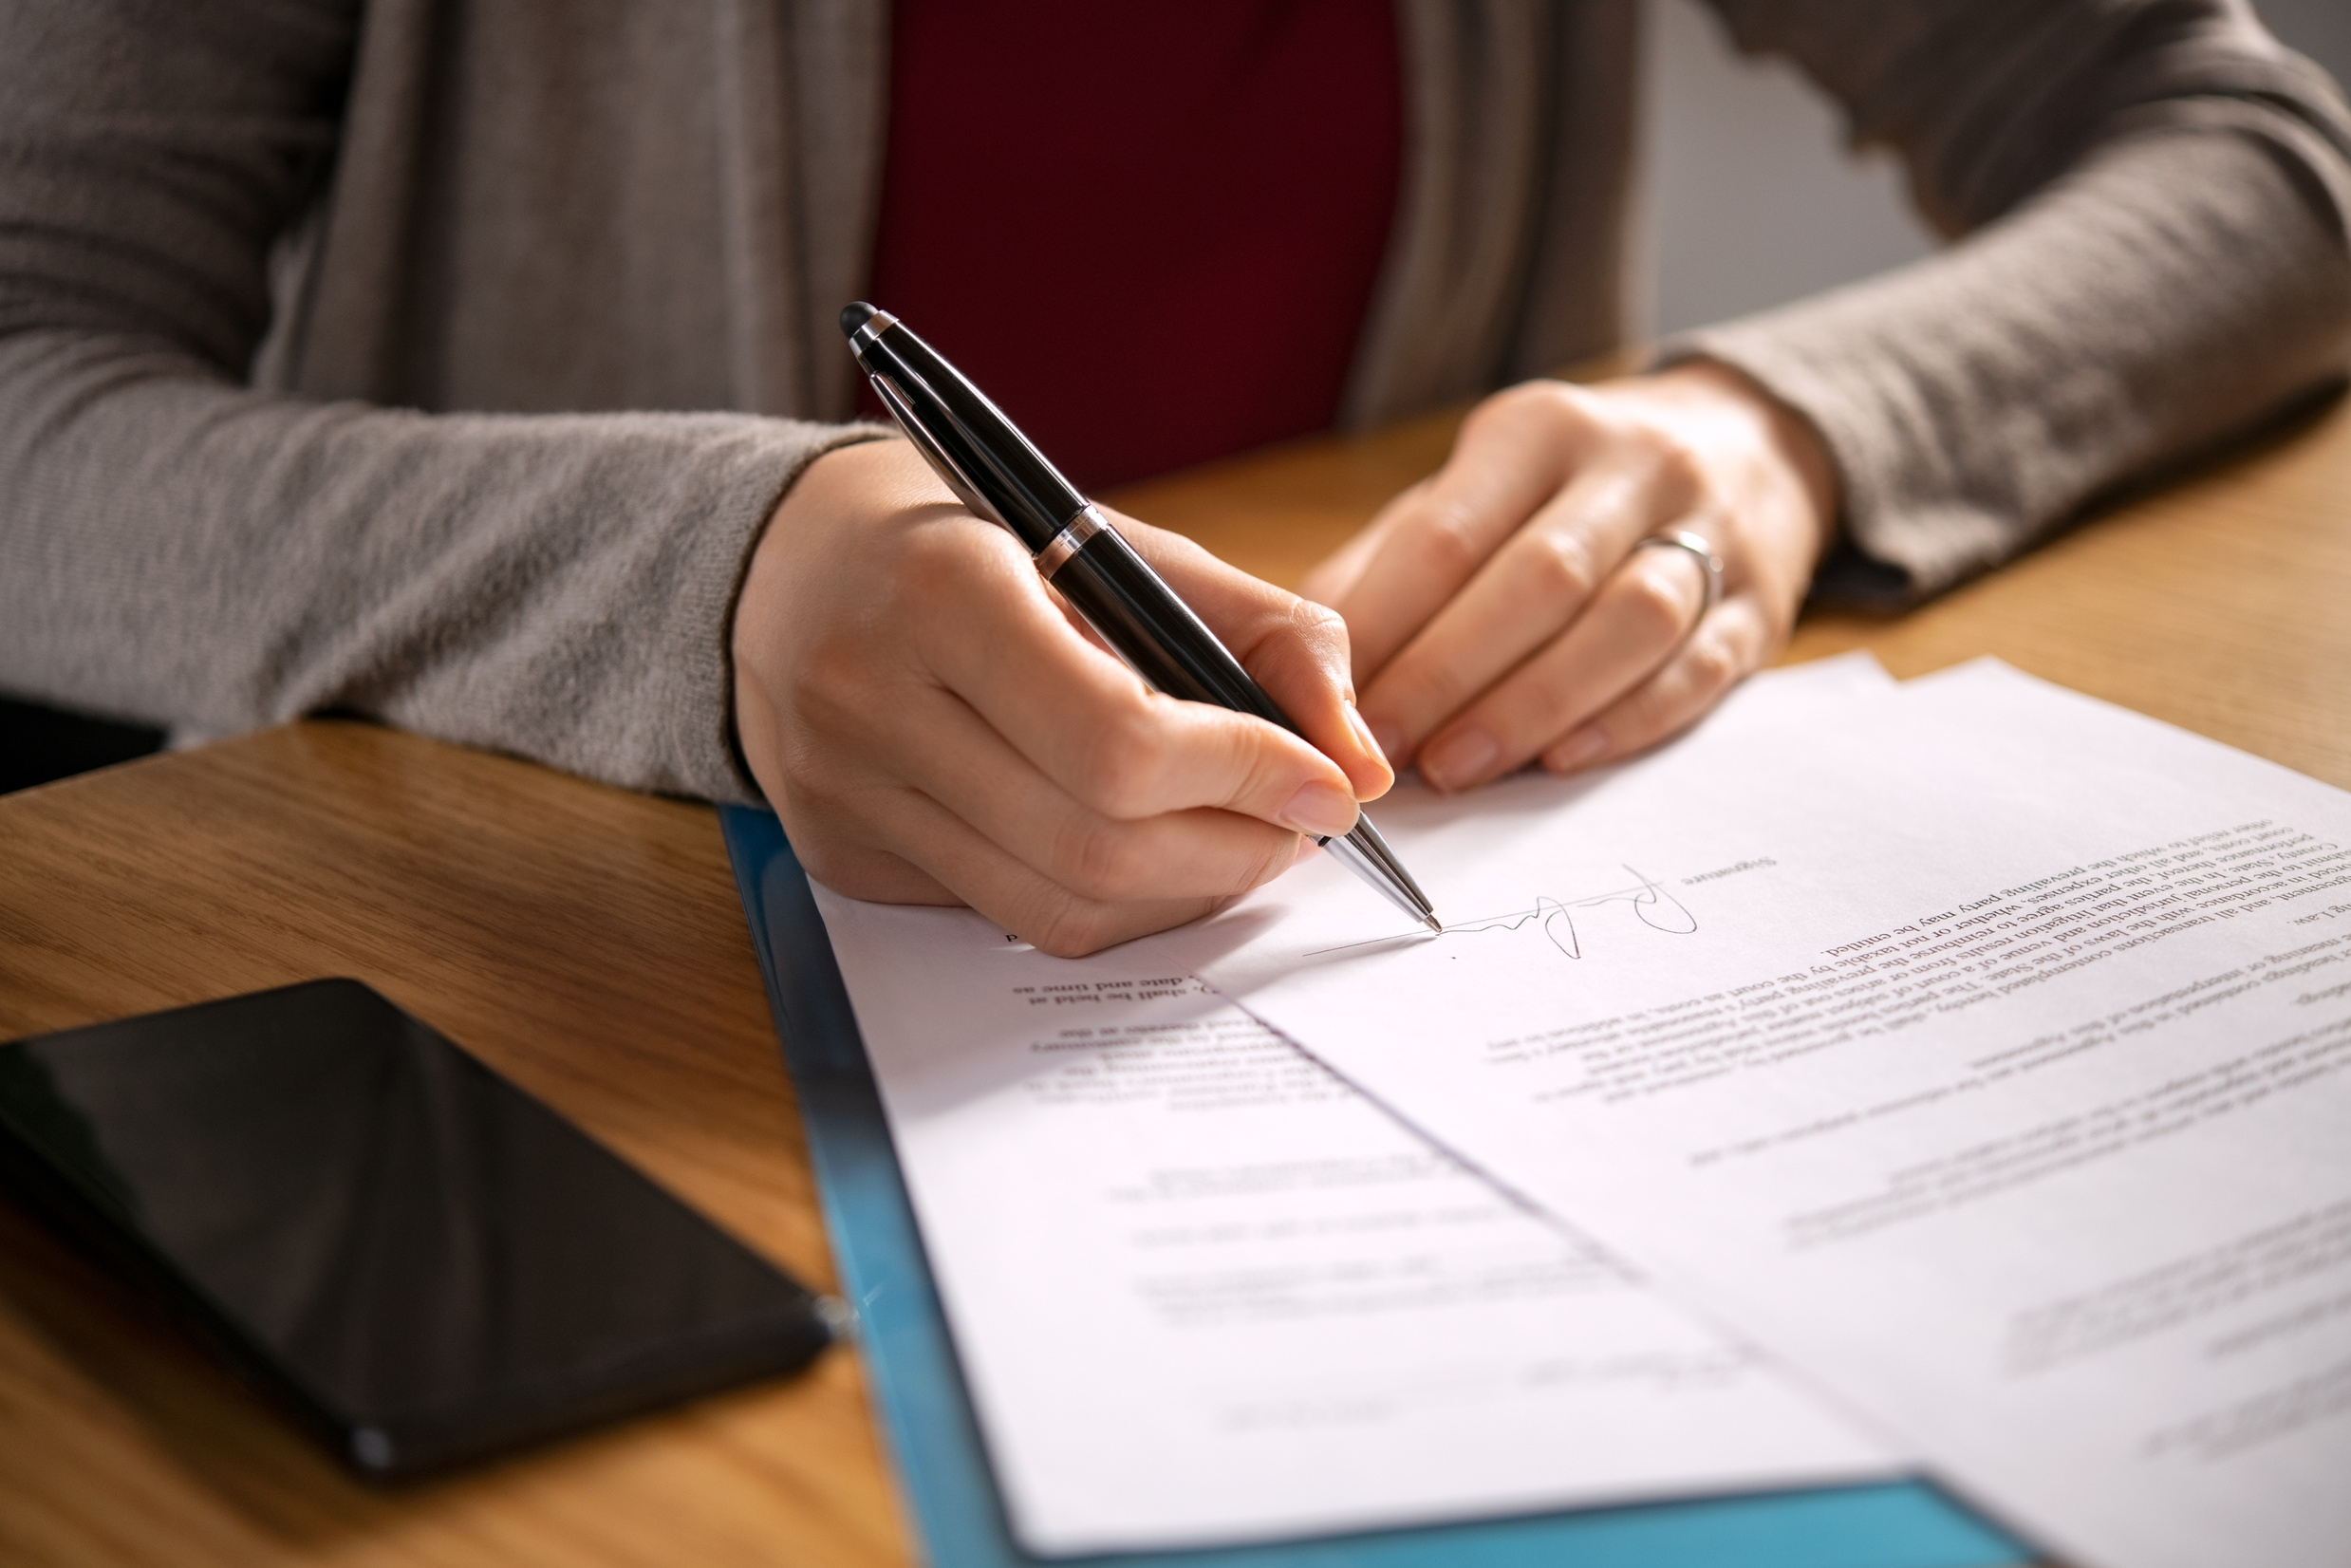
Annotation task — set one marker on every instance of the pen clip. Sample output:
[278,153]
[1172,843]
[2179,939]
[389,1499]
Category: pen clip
[903,411]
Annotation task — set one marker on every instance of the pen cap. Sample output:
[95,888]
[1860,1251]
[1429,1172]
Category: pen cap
[1026,491]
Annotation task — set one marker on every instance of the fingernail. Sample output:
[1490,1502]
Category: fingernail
[1363,733]
[1391,741]
[1577,750]
[1323,810]
[1460,759]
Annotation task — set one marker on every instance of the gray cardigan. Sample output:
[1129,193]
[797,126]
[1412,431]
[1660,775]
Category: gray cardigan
[439,360]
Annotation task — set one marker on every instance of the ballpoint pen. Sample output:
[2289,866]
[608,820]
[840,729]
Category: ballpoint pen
[994,470]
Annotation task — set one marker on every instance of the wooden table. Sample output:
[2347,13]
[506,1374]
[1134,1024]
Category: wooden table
[587,943]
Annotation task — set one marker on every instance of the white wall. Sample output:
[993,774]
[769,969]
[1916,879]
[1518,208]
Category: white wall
[1752,198]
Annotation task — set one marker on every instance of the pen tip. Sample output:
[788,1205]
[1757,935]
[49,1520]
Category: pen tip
[854,316]
[1431,921]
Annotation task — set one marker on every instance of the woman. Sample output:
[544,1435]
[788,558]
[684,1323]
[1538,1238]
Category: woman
[361,358]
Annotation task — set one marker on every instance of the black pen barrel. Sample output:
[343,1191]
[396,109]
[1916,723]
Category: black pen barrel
[1108,583]
[1156,632]
[1035,501]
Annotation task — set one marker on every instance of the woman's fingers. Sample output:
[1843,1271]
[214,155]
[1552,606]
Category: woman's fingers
[1088,724]
[1501,605]
[1334,578]
[1537,583]
[970,869]
[1515,452]
[875,819]
[1631,627]
[1294,647]
[1730,643]
[975,773]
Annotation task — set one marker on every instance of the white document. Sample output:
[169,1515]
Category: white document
[1204,1292]
[1981,1051]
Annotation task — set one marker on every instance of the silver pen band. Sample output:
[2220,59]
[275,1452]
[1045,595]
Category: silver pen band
[1069,541]
[875,325]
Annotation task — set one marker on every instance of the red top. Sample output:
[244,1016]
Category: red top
[1149,229]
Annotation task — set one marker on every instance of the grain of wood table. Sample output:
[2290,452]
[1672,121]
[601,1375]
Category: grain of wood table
[588,943]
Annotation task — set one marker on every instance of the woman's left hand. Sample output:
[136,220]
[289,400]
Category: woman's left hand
[1502,612]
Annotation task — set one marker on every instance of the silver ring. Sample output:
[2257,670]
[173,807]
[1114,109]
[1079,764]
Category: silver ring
[1697,546]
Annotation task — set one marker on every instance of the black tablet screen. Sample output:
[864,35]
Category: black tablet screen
[426,1261]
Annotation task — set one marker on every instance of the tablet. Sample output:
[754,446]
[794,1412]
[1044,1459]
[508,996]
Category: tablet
[423,1264]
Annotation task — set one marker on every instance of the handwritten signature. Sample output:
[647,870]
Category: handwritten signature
[1658,909]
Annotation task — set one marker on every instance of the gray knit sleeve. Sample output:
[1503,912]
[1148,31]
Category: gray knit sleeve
[2155,200]
[179,548]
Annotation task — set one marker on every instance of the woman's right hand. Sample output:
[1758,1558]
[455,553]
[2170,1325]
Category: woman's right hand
[933,727]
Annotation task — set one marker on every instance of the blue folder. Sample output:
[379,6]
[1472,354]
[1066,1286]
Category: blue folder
[942,1468]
